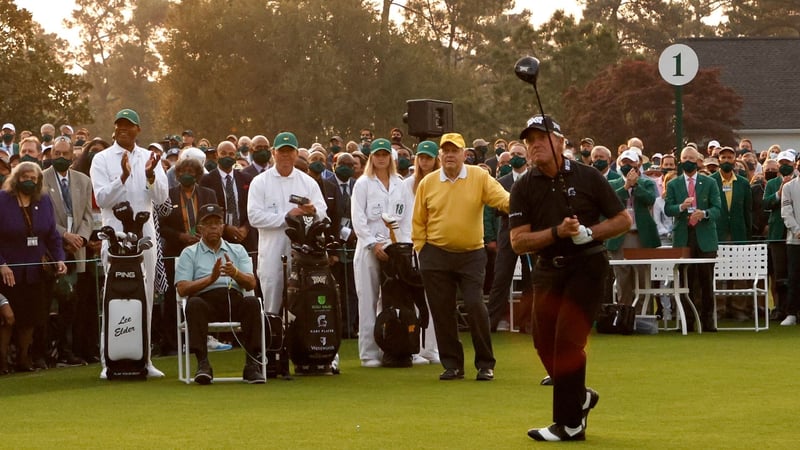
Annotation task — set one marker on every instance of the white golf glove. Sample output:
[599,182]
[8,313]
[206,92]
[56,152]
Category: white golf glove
[584,236]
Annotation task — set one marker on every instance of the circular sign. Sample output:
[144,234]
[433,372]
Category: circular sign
[678,64]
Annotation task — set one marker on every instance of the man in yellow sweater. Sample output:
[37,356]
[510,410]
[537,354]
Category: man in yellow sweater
[448,236]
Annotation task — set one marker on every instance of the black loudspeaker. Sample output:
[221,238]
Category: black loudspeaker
[429,118]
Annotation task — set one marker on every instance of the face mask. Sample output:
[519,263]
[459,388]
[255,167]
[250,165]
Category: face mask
[261,157]
[726,167]
[773,156]
[47,163]
[29,158]
[80,142]
[624,170]
[498,151]
[335,149]
[211,165]
[469,160]
[666,170]
[517,161]
[187,180]
[244,149]
[2,179]
[47,137]
[586,153]
[689,166]
[62,164]
[227,162]
[344,172]
[505,170]
[403,163]
[27,187]
[600,164]
[742,151]
[203,148]
[7,138]
[317,166]
[786,170]
[396,139]
[770,174]
[482,149]
[742,173]
[751,166]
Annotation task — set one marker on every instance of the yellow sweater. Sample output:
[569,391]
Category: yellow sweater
[449,214]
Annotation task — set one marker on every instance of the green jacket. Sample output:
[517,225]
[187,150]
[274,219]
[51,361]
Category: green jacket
[708,200]
[735,220]
[644,195]
[772,203]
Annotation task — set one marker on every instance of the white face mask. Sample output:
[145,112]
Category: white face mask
[773,156]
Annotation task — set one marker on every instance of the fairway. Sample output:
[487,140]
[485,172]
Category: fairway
[723,390]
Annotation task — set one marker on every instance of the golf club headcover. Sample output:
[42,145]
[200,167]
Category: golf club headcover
[124,213]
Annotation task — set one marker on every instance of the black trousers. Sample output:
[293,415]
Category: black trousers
[565,303]
[701,280]
[223,305]
[343,274]
[443,273]
[86,330]
[504,264]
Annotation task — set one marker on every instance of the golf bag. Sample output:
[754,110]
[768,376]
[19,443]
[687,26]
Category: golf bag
[312,299]
[405,311]
[125,319]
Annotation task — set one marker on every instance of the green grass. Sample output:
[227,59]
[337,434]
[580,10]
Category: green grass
[724,390]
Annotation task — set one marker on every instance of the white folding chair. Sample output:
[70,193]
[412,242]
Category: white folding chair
[184,353]
[747,262]
[514,295]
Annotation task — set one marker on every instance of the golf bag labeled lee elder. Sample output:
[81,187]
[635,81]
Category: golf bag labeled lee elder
[312,298]
[399,324]
[125,334]
[125,319]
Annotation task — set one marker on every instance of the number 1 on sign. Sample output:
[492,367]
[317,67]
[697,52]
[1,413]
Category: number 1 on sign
[677,59]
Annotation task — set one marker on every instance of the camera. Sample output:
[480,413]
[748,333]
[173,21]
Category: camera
[299,200]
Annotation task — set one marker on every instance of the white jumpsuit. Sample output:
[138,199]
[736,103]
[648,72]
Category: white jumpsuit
[109,190]
[267,205]
[369,201]
[430,349]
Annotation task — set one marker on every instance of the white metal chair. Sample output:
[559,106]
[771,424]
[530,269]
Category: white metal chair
[184,353]
[747,262]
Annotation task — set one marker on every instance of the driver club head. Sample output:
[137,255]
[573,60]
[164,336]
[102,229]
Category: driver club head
[527,69]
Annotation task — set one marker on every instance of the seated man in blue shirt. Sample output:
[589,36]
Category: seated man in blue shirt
[213,274]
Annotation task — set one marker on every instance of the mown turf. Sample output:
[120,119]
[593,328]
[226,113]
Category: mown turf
[723,390]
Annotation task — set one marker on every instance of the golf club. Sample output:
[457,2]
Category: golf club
[391,223]
[527,70]
[144,243]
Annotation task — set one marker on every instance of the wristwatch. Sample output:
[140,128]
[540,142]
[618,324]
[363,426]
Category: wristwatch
[589,232]
[371,246]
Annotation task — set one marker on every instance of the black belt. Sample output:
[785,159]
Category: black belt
[561,261]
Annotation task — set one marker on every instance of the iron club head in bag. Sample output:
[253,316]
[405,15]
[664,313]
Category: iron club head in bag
[144,243]
[124,213]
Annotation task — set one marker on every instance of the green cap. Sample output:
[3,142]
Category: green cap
[129,115]
[380,144]
[428,148]
[286,139]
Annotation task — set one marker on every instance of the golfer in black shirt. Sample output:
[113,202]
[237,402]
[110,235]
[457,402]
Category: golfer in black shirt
[557,212]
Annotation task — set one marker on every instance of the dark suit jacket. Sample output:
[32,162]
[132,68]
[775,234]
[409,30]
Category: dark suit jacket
[80,190]
[252,171]
[172,225]
[213,181]
[334,199]
[14,244]
[735,220]
[708,199]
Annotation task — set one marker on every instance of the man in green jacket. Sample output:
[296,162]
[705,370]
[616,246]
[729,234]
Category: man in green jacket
[637,193]
[777,233]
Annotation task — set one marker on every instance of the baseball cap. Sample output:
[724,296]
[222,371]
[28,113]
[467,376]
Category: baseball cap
[157,145]
[380,144]
[629,155]
[67,127]
[129,115]
[10,126]
[787,155]
[713,144]
[194,153]
[479,143]
[711,162]
[657,156]
[726,149]
[208,210]
[428,148]
[541,123]
[336,138]
[286,139]
[187,133]
[453,138]
[588,140]
[173,152]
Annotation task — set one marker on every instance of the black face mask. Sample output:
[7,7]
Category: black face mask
[786,170]
[7,138]
[770,174]
[316,167]
[211,165]
[742,173]
[27,187]
[600,164]
[498,151]
[517,161]
[227,162]
[187,180]
[726,167]
[586,153]
[689,166]
[624,170]
[62,164]
[344,172]
[29,158]
[80,142]
[403,163]
[261,157]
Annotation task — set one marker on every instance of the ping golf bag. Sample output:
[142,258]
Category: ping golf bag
[312,299]
[405,311]
[126,337]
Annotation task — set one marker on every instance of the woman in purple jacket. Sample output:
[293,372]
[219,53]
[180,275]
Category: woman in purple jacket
[29,233]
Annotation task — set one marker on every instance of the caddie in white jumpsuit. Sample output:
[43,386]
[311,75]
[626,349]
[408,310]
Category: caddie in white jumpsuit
[380,190]
[127,172]
[267,207]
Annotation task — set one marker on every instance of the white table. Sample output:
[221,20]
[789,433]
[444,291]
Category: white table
[680,284]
